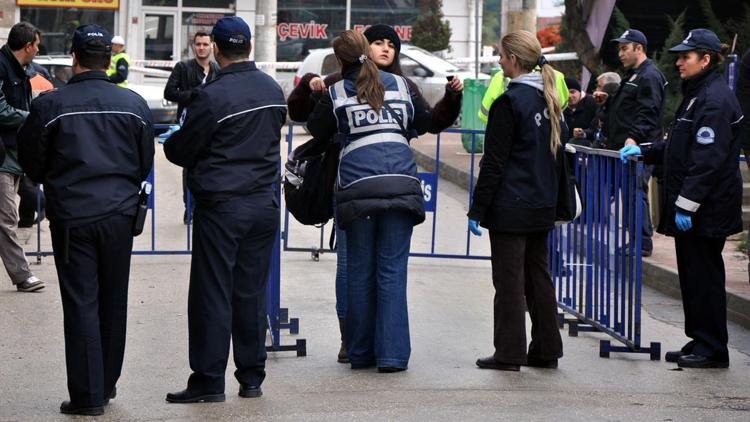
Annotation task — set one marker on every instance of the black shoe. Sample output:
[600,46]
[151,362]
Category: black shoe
[491,363]
[674,355]
[542,363]
[698,361]
[250,391]
[646,252]
[112,395]
[69,409]
[389,369]
[187,396]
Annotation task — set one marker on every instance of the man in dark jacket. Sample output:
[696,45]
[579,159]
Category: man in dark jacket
[15,56]
[229,144]
[92,145]
[581,110]
[635,112]
[186,76]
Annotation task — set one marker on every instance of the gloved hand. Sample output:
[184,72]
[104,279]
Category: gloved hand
[629,150]
[683,221]
[474,227]
[172,129]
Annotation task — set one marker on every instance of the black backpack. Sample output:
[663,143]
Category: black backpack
[309,181]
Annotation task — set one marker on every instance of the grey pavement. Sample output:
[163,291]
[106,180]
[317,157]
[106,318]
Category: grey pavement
[450,305]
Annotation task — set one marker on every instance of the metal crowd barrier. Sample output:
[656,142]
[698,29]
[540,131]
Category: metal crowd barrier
[593,260]
[278,317]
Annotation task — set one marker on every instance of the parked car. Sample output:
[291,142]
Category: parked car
[428,71]
[61,70]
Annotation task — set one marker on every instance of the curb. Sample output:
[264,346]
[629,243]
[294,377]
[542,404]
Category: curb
[657,276]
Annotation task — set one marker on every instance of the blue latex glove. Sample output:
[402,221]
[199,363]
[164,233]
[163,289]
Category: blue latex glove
[474,227]
[629,150]
[683,221]
[164,136]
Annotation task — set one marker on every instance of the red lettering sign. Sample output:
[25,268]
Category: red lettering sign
[310,30]
[403,31]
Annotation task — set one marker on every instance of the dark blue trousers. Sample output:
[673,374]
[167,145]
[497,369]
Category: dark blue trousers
[94,289]
[233,241]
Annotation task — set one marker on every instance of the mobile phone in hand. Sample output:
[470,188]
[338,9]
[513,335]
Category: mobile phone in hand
[449,78]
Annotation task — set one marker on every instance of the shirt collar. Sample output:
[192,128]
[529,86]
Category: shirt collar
[91,74]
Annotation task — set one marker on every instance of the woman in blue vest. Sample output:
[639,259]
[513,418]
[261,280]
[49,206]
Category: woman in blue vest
[385,48]
[702,197]
[515,199]
[378,199]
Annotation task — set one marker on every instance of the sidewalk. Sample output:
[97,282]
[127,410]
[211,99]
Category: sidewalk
[659,270]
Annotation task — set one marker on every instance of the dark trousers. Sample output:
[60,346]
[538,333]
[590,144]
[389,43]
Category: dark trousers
[27,207]
[704,297]
[233,241]
[520,271]
[94,289]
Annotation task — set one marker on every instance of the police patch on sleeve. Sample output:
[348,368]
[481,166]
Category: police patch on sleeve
[705,136]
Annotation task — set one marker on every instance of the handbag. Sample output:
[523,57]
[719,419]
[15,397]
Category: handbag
[568,200]
[309,179]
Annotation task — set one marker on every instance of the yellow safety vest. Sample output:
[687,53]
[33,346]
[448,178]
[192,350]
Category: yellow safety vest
[499,83]
[113,66]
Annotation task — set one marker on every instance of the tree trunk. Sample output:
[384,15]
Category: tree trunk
[579,38]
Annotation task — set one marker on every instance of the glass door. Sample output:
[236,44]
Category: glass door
[159,36]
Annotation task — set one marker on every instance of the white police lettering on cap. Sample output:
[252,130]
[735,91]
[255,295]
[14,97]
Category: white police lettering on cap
[94,34]
[685,41]
[236,40]
[705,136]
[625,34]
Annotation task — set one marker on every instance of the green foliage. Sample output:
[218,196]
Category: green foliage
[491,22]
[741,27]
[665,61]
[430,31]
[618,24]
[712,21]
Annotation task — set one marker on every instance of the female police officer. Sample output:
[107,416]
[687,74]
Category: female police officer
[703,195]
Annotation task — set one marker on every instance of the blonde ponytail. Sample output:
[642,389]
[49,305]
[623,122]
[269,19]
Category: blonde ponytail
[553,106]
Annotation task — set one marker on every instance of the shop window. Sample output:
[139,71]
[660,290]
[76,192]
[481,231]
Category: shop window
[214,4]
[159,39]
[164,3]
[58,24]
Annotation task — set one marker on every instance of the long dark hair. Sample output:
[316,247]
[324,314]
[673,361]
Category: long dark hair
[351,49]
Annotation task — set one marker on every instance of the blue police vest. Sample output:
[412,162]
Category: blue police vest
[374,145]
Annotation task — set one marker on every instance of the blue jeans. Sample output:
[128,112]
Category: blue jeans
[340,272]
[377,320]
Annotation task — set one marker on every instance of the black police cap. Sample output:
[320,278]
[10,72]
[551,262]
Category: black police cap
[92,39]
[698,39]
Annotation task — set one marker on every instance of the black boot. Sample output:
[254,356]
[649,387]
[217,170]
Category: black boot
[343,357]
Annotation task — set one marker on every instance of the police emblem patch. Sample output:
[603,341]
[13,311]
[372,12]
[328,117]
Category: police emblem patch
[705,136]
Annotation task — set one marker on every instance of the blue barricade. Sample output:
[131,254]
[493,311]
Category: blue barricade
[278,317]
[595,261]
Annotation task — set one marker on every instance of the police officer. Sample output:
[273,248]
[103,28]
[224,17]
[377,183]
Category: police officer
[703,194]
[120,64]
[92,145]
[229,144]
[635,111]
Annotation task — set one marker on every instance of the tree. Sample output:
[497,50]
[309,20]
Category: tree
[575,35]
[549,36]
[491,22]
[665,61]
[429,30]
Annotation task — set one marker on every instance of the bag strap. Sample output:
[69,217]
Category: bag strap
[398,119]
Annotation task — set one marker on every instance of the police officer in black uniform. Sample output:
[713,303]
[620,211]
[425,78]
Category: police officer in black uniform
[634,115]
[229,144]
[702,196]
[92,145]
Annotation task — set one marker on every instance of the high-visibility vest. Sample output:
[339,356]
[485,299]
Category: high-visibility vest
[497,87]
[113,66]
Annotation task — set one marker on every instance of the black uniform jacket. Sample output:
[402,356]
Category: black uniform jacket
[637,107]
[16,96]
[581,116]
[701,167]
[229,139]
[185,77]
[91,143]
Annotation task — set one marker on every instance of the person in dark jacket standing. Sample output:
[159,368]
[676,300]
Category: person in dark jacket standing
[385,46]
[702,195]
[515,199]
[635,112]
[92,146]
[229,144]
[186,77]
[378,199]
[581,110]
[15,99]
